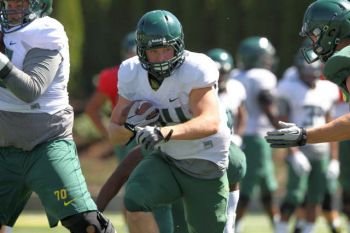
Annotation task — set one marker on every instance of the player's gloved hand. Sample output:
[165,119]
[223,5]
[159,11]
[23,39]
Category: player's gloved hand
[299,163]
[151,136]
[333,169]
[5,66]
[149,117]
[288,136]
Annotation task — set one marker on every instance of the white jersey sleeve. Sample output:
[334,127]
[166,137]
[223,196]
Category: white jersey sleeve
[234,96]
[42,33]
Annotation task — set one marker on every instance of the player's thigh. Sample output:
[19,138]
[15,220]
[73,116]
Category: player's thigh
[259,163]
[296,186]
[14,193]
[55,175]
[256,150]
[268,183]
[317,184]
[205,201]
[152,183]
[237,164]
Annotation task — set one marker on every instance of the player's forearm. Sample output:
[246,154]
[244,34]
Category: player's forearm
[195,128]
[39,69]
[336,130]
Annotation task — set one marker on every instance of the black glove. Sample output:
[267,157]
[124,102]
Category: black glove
[5,66]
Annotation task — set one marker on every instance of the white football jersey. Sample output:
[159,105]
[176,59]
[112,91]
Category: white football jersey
[43,33]
[341,108]
[256,80]
[232,98]
[309,106]
[234,95]
[172,98]
[291,73]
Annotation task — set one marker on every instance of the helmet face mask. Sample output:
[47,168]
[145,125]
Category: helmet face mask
[308,73]
[15,14]
[158,29]
[325,23]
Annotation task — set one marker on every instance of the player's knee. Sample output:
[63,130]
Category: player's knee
[137,199]
[89,222]
[133,204]
[287,209]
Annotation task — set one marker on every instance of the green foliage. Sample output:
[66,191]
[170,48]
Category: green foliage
[69,13]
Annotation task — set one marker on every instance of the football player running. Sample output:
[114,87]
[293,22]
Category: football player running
[190,152]
[326,24]
[107,92]
[255,60]
[308,101]
[37,150]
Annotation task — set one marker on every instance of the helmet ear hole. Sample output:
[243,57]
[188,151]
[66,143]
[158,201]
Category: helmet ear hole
[332,32]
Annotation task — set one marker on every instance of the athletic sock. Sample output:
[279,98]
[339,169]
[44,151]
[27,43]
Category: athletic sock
[7,229]
[239,226]
[309,227]
[299,225]
[281,227]
[231,211]
[335,226]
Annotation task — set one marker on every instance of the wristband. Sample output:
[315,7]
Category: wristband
[303,138]
[6,70]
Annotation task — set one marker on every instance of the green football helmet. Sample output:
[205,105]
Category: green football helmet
[256,52]
[128,45]
[224,62]
[222,58]
[15,18]
[325,22]
[155,29]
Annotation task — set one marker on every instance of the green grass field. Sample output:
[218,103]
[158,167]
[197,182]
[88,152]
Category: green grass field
[34,222]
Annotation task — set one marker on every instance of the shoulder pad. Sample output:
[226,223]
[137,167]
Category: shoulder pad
[337,68]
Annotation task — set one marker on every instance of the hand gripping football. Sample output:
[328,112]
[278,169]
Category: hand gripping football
[141,113]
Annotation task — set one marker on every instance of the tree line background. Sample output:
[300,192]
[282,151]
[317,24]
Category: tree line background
[96,27]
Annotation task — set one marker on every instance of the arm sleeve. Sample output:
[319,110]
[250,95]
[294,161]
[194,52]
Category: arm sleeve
[39,69]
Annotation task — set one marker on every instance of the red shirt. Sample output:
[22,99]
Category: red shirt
[107,83]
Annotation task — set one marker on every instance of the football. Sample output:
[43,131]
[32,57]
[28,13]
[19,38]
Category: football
[140,113]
